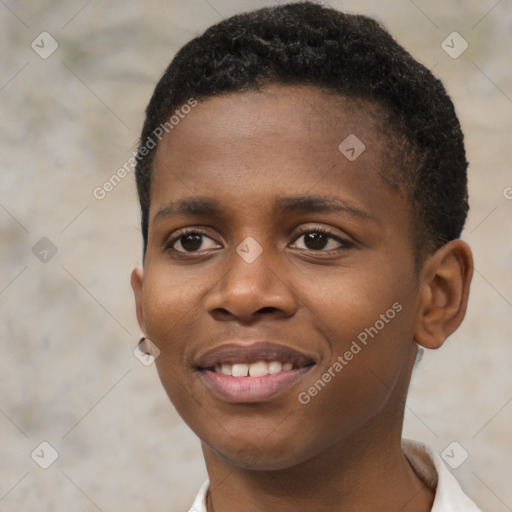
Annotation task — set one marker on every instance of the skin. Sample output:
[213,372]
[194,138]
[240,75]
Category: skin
[341,451]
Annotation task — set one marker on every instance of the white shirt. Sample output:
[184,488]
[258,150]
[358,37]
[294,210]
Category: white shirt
[429,467]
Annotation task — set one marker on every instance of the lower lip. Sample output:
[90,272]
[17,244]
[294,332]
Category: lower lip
[252,389]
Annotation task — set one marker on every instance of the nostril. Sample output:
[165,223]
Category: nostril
[267,309]
[223,312]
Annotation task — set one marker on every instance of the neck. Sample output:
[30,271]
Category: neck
[367,473]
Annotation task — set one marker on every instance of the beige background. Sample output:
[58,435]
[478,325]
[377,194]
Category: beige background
[67,328]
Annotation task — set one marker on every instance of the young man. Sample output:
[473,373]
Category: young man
[302,182]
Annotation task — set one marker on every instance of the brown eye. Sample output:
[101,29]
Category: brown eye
[316,240]
[192,242]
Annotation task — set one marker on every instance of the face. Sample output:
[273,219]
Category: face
[279,281]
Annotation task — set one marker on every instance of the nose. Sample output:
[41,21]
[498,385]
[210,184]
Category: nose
[249,291]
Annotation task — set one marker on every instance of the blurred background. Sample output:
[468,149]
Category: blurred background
[75,78]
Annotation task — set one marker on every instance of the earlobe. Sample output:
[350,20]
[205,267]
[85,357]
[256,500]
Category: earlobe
[137,279]
[444,289]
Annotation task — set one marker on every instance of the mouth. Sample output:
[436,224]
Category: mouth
[256,372]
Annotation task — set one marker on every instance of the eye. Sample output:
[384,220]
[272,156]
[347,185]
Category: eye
[192,241]
[321,240]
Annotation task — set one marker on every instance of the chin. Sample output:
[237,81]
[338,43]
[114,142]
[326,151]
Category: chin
[260,457]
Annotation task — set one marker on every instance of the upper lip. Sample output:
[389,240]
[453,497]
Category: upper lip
[251,352]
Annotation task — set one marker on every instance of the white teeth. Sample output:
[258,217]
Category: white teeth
[240,370]
[274,367]
[225,369]
[258,369]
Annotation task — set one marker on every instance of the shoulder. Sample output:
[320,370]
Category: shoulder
[430,468]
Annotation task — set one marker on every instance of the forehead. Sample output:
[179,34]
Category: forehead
[296,111]
[297,123]
[254,147]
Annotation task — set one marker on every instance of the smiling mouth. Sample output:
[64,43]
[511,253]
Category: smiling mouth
[255,359]
[256,372]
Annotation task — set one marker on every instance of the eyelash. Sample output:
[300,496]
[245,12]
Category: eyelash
[344,244]
[185,232]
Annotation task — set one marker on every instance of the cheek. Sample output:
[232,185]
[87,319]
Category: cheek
[362,380]
[170,312]
[366,320]
[173,313]
[171,301]
[346,301]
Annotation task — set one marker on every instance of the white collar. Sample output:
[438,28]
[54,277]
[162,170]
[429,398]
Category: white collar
[429,467]
[433,472]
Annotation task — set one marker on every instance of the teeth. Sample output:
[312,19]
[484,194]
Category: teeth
[274,367]
[240,370]
[258,369]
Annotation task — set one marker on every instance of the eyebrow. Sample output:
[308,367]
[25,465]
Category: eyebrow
[203,206]
[194,206]
[319,204]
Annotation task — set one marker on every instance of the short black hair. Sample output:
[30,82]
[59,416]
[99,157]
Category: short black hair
[305,43]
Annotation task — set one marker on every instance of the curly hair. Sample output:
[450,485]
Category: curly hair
[305,43]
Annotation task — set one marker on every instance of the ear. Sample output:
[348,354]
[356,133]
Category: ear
[444,289]
[137,279]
